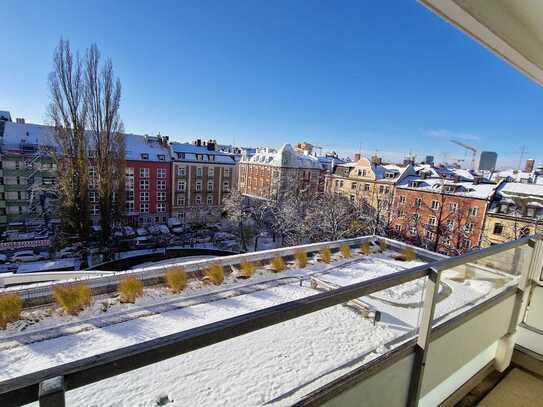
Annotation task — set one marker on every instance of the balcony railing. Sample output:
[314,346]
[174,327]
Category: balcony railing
[49,385]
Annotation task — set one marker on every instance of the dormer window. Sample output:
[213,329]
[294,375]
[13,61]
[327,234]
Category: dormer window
[390,174]
[161,157]
[144,156]
[181,156]
[414,184]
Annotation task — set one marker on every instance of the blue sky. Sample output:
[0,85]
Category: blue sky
[384,75]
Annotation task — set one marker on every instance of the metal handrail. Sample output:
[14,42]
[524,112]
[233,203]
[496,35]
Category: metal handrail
[25,389]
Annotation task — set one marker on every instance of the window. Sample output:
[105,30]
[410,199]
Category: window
[398,228]
[210,199]
[144,172]
[161,196]
[400,213]
[130,195]
[144,196]
[198,186]
[353,186]
[144,207]
[92,172]
[181,171]
[227,172]
[92,196]
[418,202]
[366,187]
[130,171]
[161,207]
[381,189]
[210,157]
[95,210]
[210,186]
[465,244]
[199,171]
[450,224]
[144,156]
[226,186]
[530,212]
[432,221]
[181,186]
[144,184]
[473,211]
[129,206]
[390,175]
[210,171]
[453,206]
[199,157]
[198,200]
[402,199]
[181,156]
[430,235]
[161,173]
[413,231]
[434,205]
[161,184]
[498,229]
[445,240]
[161,157]
[468,227]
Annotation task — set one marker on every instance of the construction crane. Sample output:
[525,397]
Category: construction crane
[469,148]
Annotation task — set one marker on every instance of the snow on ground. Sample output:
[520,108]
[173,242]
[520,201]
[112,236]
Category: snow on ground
[275,366]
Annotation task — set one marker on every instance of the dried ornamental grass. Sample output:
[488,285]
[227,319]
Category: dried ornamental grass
[277,264]
[406,254]
[11,306]
[214,274]
[382,245]
[365,248]
[176,279]
[246,269]
[345,251]
[73,298]
[325,255]
[301,259]
[130,288]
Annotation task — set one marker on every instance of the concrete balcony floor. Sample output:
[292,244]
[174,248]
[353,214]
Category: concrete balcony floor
[517,388]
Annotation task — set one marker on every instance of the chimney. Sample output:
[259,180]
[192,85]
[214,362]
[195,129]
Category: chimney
[198,142]
[375,159]
[20,120]
[476,180]
[357,157]
[211,145]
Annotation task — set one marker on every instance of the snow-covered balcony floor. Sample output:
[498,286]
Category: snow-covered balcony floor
[273,366]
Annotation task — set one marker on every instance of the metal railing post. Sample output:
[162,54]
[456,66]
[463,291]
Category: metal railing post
[51,392]
[423,341]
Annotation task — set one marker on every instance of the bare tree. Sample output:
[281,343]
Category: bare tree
[103,97]
[235,210]
[68,112]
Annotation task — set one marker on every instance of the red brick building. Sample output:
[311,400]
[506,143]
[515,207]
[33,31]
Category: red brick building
[441,215]
[269,173]
[148,179]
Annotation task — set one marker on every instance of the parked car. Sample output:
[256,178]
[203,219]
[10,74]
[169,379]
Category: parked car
[3,258]
[25,256]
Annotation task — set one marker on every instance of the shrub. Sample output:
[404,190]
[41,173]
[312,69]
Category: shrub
[301,259]
[406,254]
[11,306]
[130,289]
[382,245]
[176,279]
[214,274]
[365,248]
[345,250]
[73,298]
[277,264]
[246,269]
[326,255]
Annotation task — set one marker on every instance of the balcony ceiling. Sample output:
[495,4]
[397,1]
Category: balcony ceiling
[513,29]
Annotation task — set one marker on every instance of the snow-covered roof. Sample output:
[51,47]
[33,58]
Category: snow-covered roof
[16,134]
[156,148]
[381,170]
[516,188]
[438,185]
[189,152]
[285,157]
